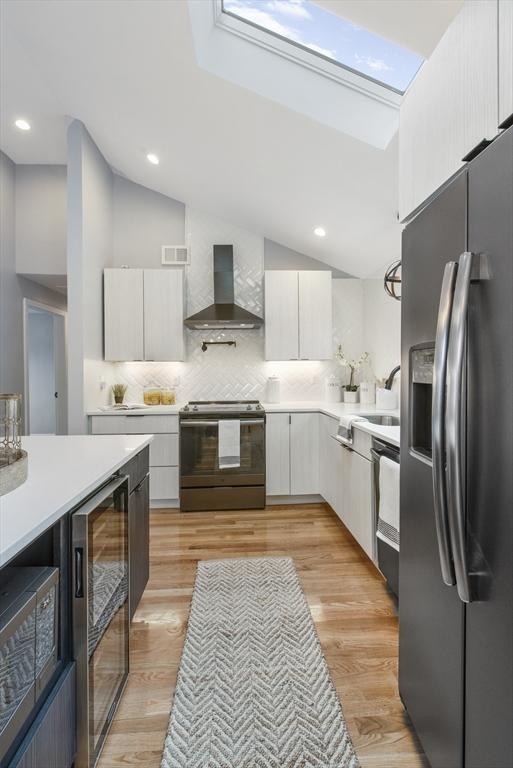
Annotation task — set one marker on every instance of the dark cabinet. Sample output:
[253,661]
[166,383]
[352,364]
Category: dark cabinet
[139,541]
[51,741]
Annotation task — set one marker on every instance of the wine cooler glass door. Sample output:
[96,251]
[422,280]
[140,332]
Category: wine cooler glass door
[101,621]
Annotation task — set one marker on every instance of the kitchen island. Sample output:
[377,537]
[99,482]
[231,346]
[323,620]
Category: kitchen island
[62,471]
[65,599]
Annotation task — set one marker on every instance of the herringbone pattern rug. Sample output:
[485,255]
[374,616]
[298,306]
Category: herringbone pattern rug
[254,690]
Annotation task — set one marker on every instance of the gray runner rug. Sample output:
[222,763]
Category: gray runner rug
[253,689]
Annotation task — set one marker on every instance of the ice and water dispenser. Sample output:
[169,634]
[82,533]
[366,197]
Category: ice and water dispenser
[421,394]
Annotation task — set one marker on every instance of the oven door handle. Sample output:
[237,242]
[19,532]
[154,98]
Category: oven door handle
[215,422]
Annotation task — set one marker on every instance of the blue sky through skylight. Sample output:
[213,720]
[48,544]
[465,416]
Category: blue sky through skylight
[330,35]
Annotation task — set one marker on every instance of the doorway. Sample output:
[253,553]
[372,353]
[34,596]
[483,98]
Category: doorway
[45,369]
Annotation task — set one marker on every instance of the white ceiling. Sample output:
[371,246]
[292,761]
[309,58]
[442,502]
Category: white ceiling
[414,24]
[128,71]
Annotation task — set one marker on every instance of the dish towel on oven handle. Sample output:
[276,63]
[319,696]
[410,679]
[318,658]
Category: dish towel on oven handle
[388,518]
[228,437]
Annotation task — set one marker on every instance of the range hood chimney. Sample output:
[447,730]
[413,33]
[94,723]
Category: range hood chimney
[223,313]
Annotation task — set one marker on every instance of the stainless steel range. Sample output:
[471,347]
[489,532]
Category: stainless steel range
[209,479]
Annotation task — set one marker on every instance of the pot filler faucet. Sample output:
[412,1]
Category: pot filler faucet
[390,380]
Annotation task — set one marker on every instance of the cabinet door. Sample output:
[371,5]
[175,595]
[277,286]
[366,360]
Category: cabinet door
[139,542]
[360,502]
[163,314]
[505,59]
[164,483]
[281,315]
[123,314]
[304,453]
[277,454]
[51,742]
[164,451]
[315,310]
[451,106]
[329,450]
[354,497]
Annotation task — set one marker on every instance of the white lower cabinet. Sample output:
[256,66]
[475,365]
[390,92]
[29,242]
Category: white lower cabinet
[329,451]
[304,453]
[292,454]
[164,451]
[354,497]
[277,454]
[345,482]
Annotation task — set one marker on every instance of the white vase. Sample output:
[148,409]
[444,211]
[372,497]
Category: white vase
[350,397]
[367,392]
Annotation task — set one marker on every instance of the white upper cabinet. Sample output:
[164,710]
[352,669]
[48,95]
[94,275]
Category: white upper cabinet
[505,60]
[298,322]
[281,315]
[123,314]
[163,314]
[143,313]
[451,106]
[315,324]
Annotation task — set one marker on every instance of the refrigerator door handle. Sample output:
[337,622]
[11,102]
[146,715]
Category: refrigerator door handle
[438,422]
[453,422]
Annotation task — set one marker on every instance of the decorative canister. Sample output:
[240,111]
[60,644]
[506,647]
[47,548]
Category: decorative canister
[151,395]
[367,392]
[386,399]
[332,390]
[167,396]
[13,460]
[273,390]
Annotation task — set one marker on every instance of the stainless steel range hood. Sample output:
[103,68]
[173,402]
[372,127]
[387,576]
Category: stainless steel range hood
[223,313]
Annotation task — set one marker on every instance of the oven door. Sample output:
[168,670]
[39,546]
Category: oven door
[199,455]
[100,613]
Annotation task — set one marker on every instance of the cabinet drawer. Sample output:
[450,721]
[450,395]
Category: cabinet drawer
[134,424]
[164,451]
[164,483]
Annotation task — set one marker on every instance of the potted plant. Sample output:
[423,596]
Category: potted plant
[351,389]
[119,390]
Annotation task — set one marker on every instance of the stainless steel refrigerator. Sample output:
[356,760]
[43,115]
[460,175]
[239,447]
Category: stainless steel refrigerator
[456,558]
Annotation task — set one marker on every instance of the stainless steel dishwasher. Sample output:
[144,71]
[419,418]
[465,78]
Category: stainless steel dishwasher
[387,554]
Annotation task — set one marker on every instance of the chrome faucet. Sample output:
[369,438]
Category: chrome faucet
[390,380]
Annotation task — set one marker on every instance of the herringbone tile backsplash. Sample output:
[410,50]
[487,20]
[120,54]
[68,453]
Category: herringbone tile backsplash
[241,372]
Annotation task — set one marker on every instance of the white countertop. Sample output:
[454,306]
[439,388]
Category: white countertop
[150,410]
[62,471]
[336,410]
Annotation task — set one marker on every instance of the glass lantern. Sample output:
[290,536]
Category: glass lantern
[10,428]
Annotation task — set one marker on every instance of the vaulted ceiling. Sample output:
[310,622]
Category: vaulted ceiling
[128,70]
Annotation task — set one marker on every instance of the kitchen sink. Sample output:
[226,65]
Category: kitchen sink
[383,419]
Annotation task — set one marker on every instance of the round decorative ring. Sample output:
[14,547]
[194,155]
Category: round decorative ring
[392,280]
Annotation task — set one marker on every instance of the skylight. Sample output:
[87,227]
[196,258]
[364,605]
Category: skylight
[330,36]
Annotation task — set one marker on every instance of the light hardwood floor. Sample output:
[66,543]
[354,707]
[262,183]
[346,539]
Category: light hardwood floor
[355,619]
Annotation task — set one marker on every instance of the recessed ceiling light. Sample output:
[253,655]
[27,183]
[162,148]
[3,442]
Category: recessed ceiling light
[153,159]
[320,232]
[23,125]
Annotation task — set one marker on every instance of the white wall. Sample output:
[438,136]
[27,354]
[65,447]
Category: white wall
[277,256]
[144,221]
[41,370]
[41,219]
[382,327]
[241,372]
[90,246]
[14,288]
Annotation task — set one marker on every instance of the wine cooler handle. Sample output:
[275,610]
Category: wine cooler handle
[79,572]
[438,422]
[454,426]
